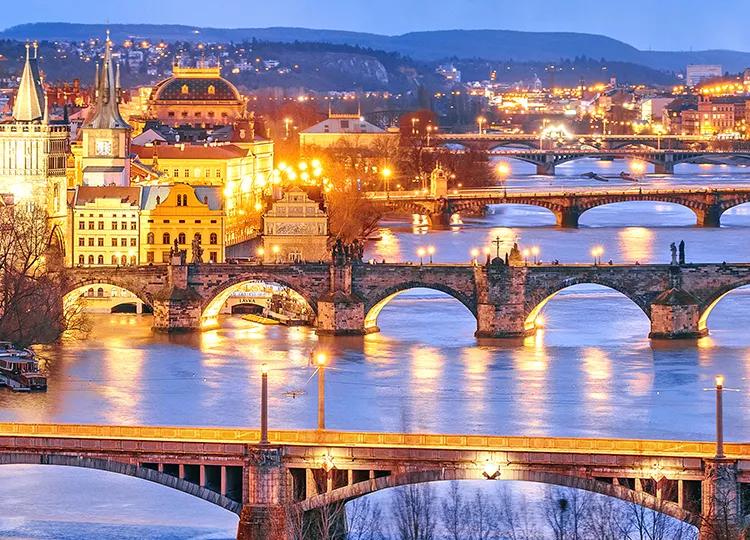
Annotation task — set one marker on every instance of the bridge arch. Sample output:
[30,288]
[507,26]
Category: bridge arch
[539,299]
[127,469]
[376,304]
[355,491]
[81,289]
[219,295]
[718,295]
[642,198]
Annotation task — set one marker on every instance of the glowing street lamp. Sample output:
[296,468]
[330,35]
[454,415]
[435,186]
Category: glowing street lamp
[525,253]
[596,253]
[287,123]
[386,172]
[276,250]
[535,254]
[474,255]
[421,252]
[719,417]
[481,120]
[491,470]
[264,404]
[430,252]
[414,122]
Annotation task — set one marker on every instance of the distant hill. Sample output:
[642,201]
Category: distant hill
[494,45]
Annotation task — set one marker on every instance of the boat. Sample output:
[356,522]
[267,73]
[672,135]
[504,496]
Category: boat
[593,176]
[629,177]
[19,369]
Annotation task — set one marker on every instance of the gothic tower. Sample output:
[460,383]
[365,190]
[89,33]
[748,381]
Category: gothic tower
[105,155]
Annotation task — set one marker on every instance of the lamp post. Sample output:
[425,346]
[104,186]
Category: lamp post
[480,122]
[421,252]
[431,252]
[430,128]
[719,417]
[387,172]
[287,123]
[596,253]
[525,253]
[264,404]
[320,362]
[474,254]
[535,254]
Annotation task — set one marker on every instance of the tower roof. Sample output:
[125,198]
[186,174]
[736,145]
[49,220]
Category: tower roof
[30,100]
[106,108]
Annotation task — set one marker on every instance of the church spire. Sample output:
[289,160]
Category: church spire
[30,102]
[106,106]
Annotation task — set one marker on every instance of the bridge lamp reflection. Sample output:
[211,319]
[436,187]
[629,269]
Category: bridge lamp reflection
[491,470]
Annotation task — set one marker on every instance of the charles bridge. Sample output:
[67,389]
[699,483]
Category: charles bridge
[566,204]
[347,298]
[298,475]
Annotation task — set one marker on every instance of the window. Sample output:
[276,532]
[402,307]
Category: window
[101,225]
[90,292]
[213,221]
[114,242]
[182,221]
[150,238]
[165,238]
[187,173]
[124,242]
[103,148]
[150,257]
[170,114]
[124,260]
[132,242]
[218,173]
[100,291]
[100,242]
[100,259]
[81,225]
[81,241]
[124,225]
[211,89]
[207,173]
[197,221]
[91,225]
[214,239]
[179,200]
[81,260]
[185,89]
[165,256]
[181,238]
[133,226]
[213,257]
[91,242]
[176,173]
[114,260]
[114,225]
[198,237]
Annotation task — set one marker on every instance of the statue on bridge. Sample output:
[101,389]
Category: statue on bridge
[673,250]
[342,254]
[197,250]
[175,251]
[682,252]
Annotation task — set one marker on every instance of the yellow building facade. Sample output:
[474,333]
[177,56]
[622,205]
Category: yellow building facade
[190,215]
[295,229]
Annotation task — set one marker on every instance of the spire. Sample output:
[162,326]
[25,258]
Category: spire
[29,104]
[106,106]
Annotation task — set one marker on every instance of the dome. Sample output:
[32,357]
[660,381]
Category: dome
[195,84]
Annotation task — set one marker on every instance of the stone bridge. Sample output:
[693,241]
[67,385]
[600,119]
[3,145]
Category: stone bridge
[300,474]
[567,205]
[488,142]
[505,300]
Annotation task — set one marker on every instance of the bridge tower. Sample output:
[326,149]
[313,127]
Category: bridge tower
[341,312]
[438,182]
[675,314]
[177,307]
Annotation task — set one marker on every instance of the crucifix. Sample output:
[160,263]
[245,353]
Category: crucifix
[497,243]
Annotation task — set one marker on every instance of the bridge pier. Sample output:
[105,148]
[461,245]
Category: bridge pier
[440,220]
[568,218]
[675,314]
[341,312]
[710,216]
[500,321]
[664,167]
[545,169]
[720,504]
[177,307]
[264,515]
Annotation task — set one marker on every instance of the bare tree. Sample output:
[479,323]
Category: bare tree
[33,279]
[483,518]
[414,512]
[565,511]
[453,513]
[365,519]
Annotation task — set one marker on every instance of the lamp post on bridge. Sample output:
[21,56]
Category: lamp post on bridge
[719,417]
[320,363]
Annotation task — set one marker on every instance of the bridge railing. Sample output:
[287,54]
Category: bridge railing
[376,440]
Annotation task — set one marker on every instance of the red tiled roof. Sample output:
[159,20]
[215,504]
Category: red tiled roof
[86,194]
[189,151]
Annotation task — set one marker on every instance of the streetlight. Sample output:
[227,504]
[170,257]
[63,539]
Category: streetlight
[535,254]
[431,252]
[719,417]
[414,122]
[320,362]
[480,121]
[421,252]
[491,470]
[264,404]
[474,254]
[275,250]
[386,172]
[287,123]
[596,253]
[430,129]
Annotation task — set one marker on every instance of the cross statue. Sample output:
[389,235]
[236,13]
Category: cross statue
[497,243]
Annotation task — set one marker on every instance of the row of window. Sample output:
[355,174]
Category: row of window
[124,242]
[181,238]
[122,225]
[196,173]
[198,114]
[213,256]
[122,260]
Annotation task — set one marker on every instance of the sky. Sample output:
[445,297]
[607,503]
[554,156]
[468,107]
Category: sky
[646,24]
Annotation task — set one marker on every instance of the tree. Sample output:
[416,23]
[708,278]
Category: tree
[364,518]
[33,279]
[516,516]
[414,512]
[350,215]
[483,518]
[453,513]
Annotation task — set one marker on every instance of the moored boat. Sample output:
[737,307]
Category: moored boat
[19,369]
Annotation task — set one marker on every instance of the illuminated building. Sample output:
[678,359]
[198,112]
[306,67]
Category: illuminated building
[181,212]
[351,128]
[105,226]
[105,149]
[295,229]
[196,97]
[33,151]
[697,73]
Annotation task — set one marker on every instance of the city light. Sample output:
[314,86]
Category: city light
[503,169]
[421,252]
[596,253]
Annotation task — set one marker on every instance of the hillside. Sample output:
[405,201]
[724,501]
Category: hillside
[496,45]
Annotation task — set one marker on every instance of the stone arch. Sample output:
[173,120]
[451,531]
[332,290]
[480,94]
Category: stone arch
[375,305]
[70,295]
[216,298]
[539,298]
[645,197]
[518,143]
[708,305]
[355,491]
[479,204]
[127,469]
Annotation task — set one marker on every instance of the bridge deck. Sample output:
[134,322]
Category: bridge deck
[312,438]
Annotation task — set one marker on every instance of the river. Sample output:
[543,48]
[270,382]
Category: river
[591,371]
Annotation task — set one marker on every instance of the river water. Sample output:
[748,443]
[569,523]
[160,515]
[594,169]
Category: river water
[591,371]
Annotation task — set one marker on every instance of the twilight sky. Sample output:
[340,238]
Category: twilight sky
[646,24]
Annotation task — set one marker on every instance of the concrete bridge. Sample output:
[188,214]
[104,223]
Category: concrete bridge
[487,142]
[300,474]
[566,204]
[347,299]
